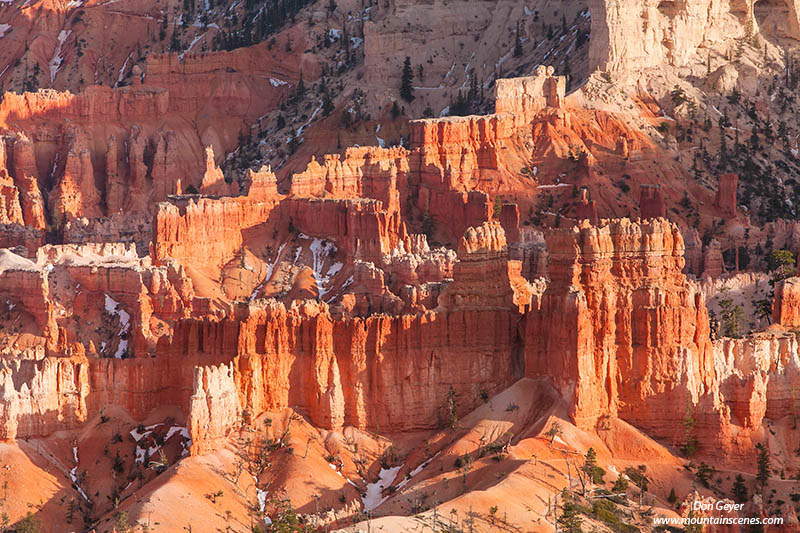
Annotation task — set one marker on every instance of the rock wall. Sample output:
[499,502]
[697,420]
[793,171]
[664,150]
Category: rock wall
[40,397]
[725,199]
[651,202]
[629,35]
[105,150]
[786,304]
[523,98]
[484,278]
[619,329]
[382,373]
[207,228]
[368,172]
[359,227]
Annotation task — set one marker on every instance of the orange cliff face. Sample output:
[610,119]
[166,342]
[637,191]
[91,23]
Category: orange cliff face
[104,151]
[618,330]
[378,373]
[786,304]
[636,342]
[485,277]
[335,301]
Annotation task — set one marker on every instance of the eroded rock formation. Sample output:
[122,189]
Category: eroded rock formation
[615,347]
[673,31]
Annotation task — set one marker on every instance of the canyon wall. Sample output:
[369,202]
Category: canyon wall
[205,228]
[638,348]
[107,150]
[786,304]
[382,373]
[627,36]
[619,329]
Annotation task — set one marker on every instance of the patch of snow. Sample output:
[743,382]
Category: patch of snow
[147,430]
[177,429]
[122,69]
[445,112]
[320,251]
[313,116]
[334,269]
[55,62]
[270,270]
[555,186]
[466,69]
[112,308]
[277,82]
[450,72]
[356,41]
[381,142]
[73,474]
[503,60]
[374,494]
[194,42]
[3,29]
[141,452]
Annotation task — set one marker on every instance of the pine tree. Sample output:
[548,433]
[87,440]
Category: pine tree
[498,207]
[452,408]
[763,464]
[620,485]
[518,44]
[406,90]
[327,104]
[689,423]
[590,462]
[570,519]
[704,473]
[739,489]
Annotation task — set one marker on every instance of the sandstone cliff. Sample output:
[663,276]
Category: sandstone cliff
[628,347]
